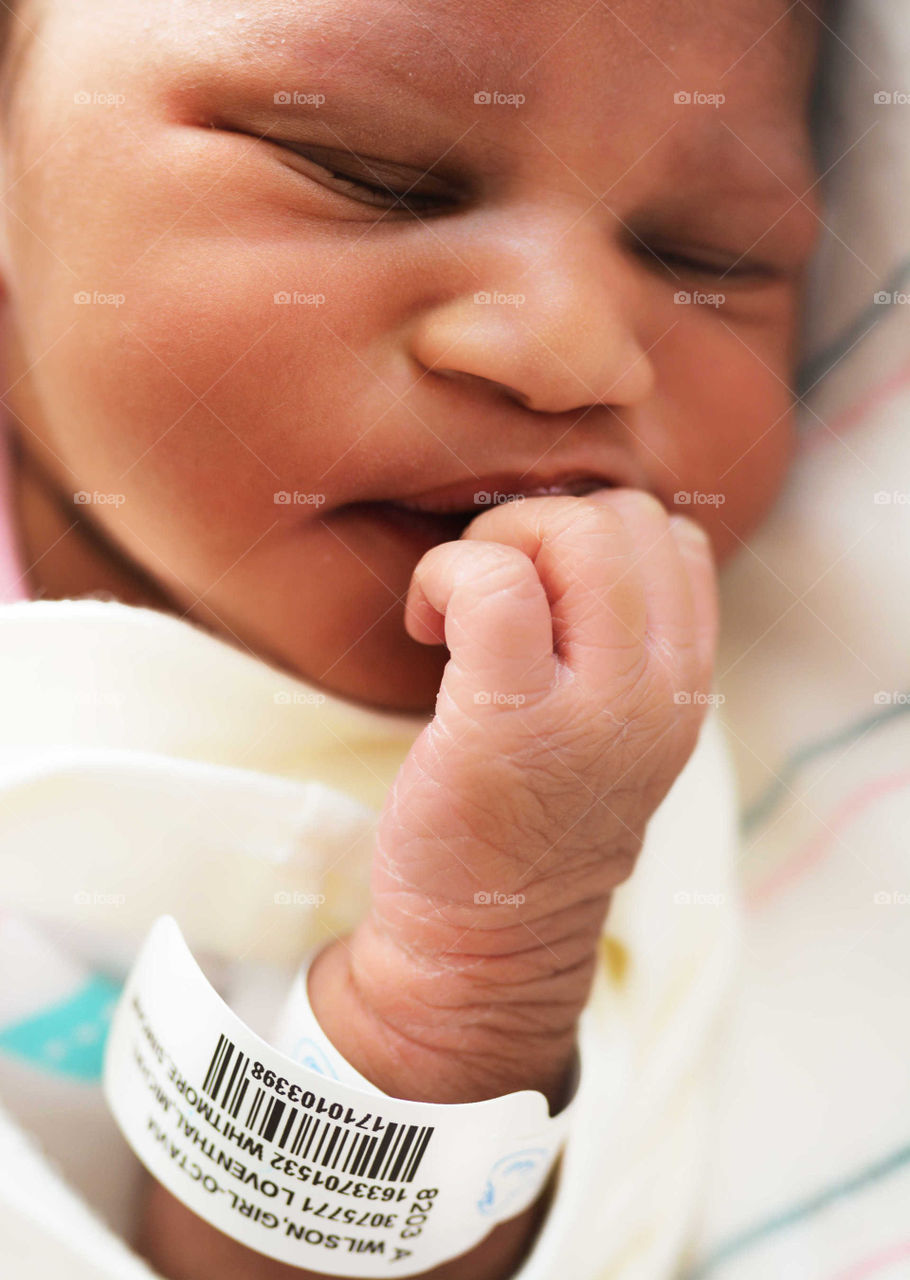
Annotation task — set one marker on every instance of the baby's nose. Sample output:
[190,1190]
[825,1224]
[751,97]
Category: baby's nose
[550,349]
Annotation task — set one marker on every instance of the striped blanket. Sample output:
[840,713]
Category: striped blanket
[810,1164]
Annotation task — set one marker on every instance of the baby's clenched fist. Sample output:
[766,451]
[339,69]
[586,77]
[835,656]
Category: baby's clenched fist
[581,633]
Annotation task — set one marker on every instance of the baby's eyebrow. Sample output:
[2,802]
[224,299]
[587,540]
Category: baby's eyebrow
[343,89]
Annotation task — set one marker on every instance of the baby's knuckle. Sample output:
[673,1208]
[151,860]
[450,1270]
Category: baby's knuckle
[580,519]
[497,567]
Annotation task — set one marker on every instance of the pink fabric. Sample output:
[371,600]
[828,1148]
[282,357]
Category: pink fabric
[13,584]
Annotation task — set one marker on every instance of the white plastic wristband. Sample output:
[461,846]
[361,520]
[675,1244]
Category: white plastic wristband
[306,1161]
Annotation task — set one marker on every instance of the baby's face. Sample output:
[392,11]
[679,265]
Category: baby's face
[513,320]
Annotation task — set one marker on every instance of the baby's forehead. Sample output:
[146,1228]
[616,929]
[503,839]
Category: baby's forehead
[604,69]
[531,41]
[526,36]
[614,76]
[568,52]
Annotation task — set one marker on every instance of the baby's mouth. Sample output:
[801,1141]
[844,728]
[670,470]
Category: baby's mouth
[492,490]
[424,526]
[442,514]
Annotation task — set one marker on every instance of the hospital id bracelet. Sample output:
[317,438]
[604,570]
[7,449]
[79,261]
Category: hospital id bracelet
[306,1161]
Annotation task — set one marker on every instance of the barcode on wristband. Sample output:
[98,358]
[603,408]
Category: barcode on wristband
[392,1154]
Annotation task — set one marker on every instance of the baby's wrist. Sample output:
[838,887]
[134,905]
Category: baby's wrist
[460,1048]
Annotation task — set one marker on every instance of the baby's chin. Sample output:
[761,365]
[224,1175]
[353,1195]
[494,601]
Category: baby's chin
[324,601]
[339,628]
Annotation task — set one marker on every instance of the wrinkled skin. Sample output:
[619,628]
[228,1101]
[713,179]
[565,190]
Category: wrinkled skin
[581,633]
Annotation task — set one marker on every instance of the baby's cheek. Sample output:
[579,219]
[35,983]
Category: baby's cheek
[159,367]
[727,438]
[174,397]
[753,480]
[143,426]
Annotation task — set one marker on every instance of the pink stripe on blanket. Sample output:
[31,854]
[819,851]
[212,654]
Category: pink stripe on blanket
[876,1262]
[816,849]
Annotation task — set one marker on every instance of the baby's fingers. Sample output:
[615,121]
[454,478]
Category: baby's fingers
[583,555]
[486,601]
[663,560]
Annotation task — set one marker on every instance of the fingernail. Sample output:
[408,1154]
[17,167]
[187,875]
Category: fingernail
[688,529]
[624,497]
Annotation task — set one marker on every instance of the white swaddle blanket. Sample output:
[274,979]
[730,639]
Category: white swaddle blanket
[147,767]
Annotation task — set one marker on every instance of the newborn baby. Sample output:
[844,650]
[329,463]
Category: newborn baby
[389,343]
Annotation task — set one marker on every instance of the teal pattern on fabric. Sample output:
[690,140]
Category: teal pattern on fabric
[817,367]
[894,1162]
[68,1038]
[763,808]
